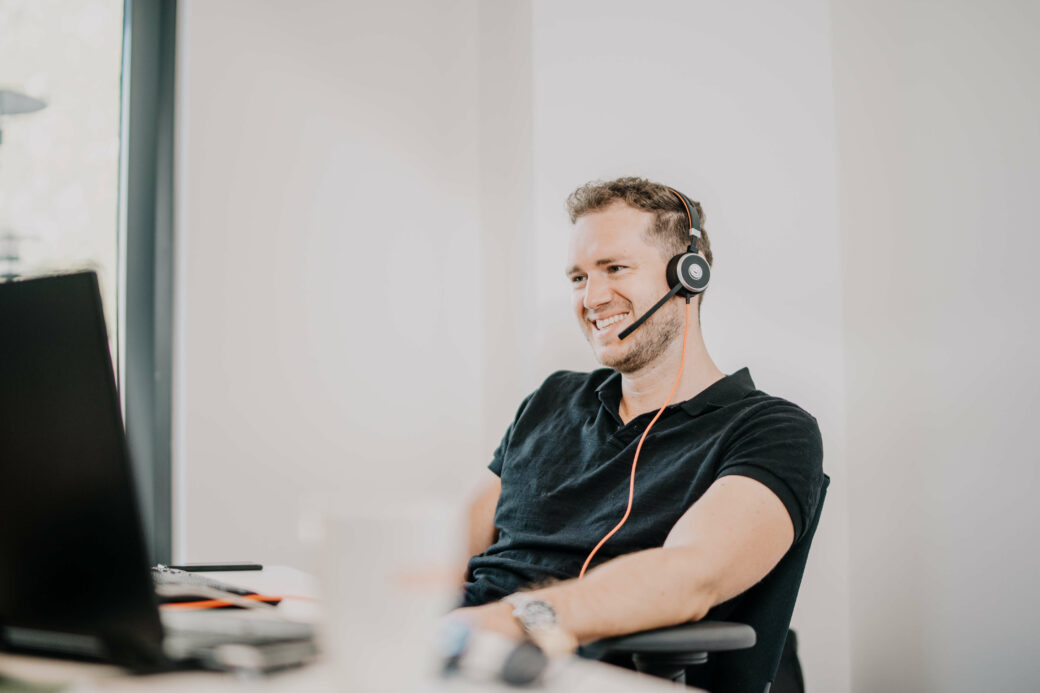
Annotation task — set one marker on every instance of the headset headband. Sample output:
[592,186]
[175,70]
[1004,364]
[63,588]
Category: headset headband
[692,216]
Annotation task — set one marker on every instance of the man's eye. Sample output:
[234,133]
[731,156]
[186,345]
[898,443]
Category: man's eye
[577,278]
[615,268]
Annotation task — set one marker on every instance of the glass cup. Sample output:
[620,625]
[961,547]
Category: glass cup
[389,576]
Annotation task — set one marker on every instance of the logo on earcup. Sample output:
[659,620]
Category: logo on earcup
[689,270]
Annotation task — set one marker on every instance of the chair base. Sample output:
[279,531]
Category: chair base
[670,666]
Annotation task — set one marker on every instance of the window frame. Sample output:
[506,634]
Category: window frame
[146,237]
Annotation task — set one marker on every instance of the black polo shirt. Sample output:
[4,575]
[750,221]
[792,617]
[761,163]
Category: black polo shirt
[566,459]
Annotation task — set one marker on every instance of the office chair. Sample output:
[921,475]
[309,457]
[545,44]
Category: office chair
[745,649]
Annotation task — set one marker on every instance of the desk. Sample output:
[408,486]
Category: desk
[574,676]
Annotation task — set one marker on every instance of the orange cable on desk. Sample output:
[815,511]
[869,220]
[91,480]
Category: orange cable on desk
[219,603]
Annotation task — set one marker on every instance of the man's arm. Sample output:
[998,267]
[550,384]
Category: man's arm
[725,543]
[480,516]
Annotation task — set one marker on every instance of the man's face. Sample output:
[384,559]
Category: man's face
[617,275]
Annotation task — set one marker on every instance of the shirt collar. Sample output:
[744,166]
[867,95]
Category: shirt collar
[721,393]
[609,392]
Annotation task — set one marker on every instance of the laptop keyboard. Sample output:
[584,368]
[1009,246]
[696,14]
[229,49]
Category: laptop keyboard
[221,639]
[163,575]
[240,626]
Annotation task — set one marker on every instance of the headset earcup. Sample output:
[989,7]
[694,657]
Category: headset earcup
[691,270]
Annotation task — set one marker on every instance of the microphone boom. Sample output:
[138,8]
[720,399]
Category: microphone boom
[629,330]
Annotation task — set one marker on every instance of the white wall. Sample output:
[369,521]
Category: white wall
[938,108]
[328,300]
[507,282]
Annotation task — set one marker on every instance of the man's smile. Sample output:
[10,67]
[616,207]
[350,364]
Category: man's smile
[601,324]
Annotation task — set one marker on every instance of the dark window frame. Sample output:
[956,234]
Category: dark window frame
[147,177]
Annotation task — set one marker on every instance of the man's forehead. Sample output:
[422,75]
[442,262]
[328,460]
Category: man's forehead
[610,235]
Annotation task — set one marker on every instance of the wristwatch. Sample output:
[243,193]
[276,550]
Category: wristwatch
[539,620]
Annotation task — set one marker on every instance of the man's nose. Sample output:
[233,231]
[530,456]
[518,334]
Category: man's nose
[597,293]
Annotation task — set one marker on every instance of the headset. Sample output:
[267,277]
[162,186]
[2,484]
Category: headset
[687,273]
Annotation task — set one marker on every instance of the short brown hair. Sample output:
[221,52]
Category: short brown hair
[670,229]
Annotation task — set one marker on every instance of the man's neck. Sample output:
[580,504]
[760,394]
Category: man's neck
[647,389]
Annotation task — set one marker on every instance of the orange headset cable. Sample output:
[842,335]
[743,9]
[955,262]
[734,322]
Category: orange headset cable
[635,460]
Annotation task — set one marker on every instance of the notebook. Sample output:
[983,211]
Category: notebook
[74,573]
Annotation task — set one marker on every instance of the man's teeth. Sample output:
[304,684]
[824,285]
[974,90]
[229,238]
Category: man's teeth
[600,324]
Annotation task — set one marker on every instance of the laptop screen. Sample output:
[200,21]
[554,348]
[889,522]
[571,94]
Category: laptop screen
[72,554]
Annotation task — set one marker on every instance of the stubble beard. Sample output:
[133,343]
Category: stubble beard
[648,342]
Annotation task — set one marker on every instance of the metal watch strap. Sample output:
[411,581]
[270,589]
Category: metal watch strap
[531,613]
[540,622]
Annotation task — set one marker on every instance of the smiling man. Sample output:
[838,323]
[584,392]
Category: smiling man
[728,478]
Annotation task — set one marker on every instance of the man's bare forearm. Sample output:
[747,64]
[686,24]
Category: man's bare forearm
[723,545]
[649,589]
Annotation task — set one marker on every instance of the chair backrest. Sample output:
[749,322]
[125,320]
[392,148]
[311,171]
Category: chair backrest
[766,607]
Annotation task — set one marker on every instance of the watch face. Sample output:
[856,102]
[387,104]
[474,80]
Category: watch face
[536,614]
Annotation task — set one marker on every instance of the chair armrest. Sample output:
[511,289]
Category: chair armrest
[700,636]
[666,652]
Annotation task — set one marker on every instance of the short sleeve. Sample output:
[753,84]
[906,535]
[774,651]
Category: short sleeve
[498,458]
[780,447]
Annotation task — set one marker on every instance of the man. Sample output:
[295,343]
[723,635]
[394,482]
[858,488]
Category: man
[727,481]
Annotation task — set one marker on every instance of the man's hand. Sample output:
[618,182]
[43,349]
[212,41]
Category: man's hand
[498,618]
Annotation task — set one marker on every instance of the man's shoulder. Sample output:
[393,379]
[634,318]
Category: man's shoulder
[758,404]
[743,412]
[737,400]
[762,416]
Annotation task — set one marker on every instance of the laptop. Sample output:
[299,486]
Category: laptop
[74,572]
